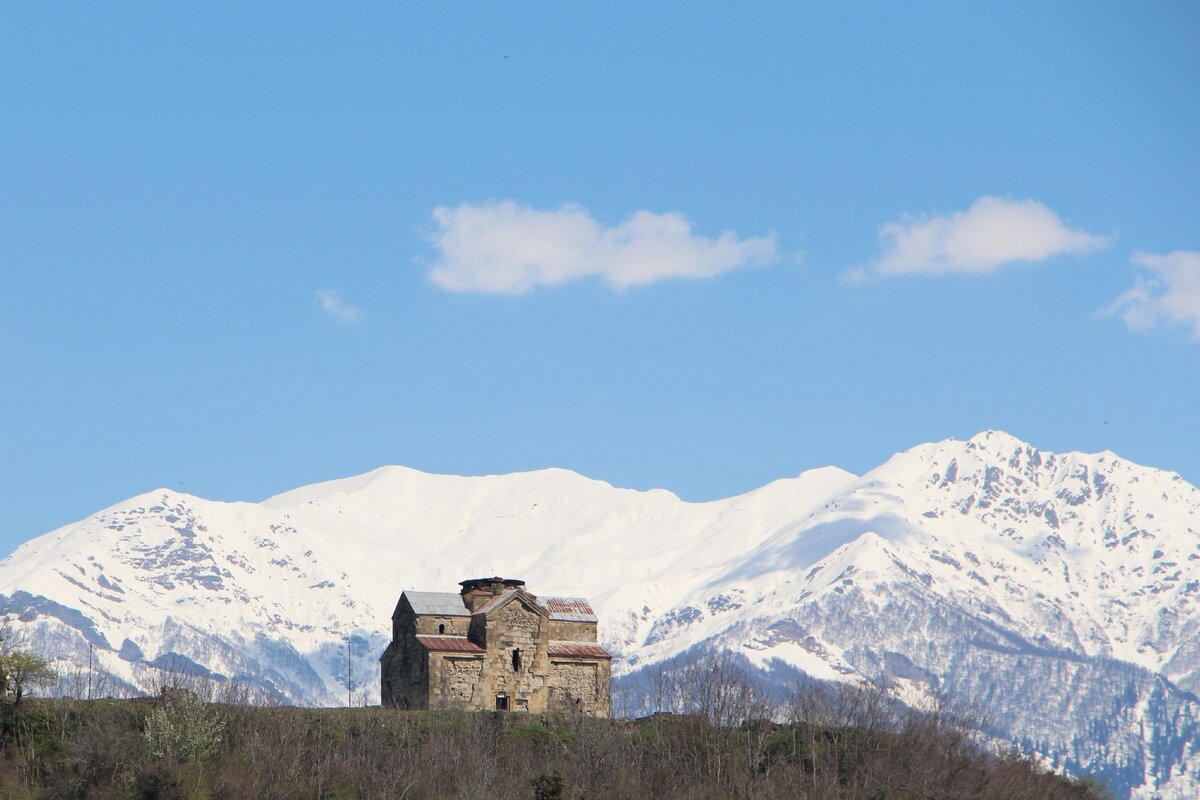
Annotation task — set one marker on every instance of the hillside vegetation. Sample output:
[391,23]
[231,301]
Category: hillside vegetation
[176,746]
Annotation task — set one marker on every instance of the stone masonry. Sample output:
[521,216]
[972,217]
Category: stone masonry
[493,646]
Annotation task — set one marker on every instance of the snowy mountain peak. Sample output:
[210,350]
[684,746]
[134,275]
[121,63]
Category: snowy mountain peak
[982,568]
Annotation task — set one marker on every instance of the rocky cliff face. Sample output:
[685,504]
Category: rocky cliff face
[1057,593]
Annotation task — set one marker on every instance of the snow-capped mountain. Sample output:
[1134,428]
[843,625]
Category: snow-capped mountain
[1057,593]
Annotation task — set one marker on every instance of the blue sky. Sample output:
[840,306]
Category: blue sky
[697,246]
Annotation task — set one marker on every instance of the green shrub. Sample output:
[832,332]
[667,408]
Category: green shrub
[547,787]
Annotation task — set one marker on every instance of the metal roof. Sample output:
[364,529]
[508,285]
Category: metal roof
[440,604]
[568,609]
[449,644]
[450,604]
[578,649]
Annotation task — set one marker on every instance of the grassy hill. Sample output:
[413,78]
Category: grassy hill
[176,746]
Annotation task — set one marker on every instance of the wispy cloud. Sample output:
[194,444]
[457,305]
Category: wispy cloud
[508,248]
[1168,293]
[331,302]
[991,233]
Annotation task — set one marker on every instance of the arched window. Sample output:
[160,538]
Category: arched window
[441,628]
[516,659]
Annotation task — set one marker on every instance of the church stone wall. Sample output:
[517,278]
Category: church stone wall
[404,681]
[434,626]
[456,680]
[580,686]
[517,662]
[568,631]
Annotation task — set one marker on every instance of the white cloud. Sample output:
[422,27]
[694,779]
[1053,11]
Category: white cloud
[331,302]
[991,233]
[508,248]
[1169,294]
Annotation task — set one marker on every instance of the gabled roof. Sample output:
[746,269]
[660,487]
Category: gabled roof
[450,604]
[449,644]
[439,604]
[568,609]
[512,594]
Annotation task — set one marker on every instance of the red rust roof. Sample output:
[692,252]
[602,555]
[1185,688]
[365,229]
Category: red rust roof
[575,609]
[578,649]
[449,644]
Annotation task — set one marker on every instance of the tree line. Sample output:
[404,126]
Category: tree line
[708,731]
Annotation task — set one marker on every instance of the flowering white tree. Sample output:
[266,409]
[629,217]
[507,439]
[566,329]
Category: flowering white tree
[21,670]
[183,728]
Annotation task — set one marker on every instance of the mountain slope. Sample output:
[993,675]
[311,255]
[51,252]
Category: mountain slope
[1059,593]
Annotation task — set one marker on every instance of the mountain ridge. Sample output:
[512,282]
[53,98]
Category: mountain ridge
[961,566]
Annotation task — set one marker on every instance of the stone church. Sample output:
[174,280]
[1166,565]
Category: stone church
[493,646]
